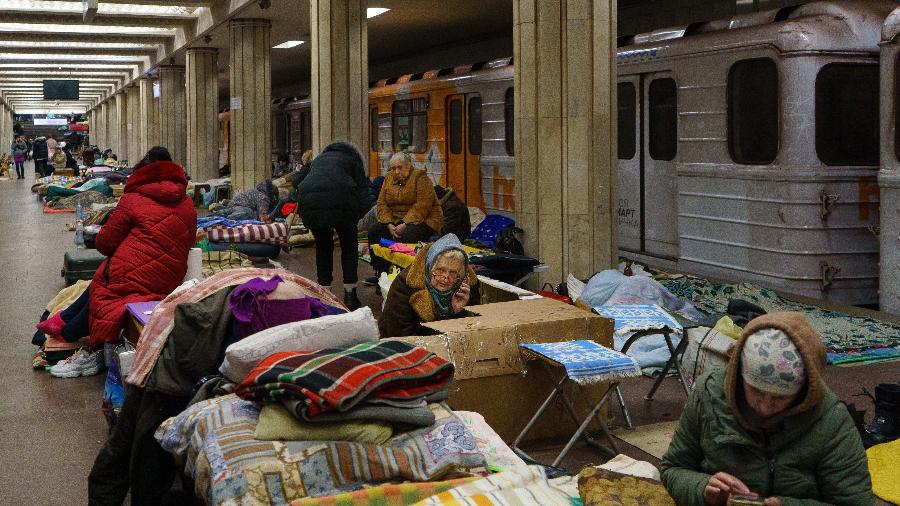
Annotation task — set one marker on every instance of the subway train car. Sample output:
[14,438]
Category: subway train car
[748,147]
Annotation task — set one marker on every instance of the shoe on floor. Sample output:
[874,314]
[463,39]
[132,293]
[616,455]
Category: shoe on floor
[351,300]
[82,363]
[371,281]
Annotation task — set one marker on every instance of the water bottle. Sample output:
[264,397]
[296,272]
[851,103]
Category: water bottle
[79,235]
[79,213]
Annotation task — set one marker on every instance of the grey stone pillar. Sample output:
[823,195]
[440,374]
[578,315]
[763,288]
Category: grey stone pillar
[117,133]
[340,73]
[202,113]
[250,132]
[149,128]
[132,125]
[172,114]
[565,133]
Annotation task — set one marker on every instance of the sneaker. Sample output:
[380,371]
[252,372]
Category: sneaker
[82,363]
[371,281]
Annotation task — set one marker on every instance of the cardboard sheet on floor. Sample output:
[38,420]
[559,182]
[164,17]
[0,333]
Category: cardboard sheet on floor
[491,377]
[653,439]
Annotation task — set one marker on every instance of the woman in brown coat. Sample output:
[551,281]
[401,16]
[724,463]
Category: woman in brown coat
[408,209]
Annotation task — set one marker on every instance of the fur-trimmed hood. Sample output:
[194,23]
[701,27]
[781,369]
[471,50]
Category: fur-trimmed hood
[808,343]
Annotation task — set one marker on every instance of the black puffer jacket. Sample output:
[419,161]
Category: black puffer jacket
[39,149]
[335,191]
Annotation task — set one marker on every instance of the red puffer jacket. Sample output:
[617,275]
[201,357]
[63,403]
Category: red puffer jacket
[146,240]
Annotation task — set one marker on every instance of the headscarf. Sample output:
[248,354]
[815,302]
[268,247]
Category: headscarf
[442,299]
[770,362]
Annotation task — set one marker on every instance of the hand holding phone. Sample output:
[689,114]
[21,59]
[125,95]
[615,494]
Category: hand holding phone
[460,298]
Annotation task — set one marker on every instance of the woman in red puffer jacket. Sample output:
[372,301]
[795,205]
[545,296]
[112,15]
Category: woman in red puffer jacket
[146,240]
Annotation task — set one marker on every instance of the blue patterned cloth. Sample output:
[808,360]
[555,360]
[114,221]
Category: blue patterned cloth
[210,221]
[639,317]
[587,361]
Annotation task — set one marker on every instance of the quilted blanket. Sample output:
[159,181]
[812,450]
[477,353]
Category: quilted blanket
[229,466]
[338,379]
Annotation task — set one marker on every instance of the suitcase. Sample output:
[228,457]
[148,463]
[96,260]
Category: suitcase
[80,264]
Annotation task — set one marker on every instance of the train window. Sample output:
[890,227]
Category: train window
[305,131]
[456,125]
[474,118]
[753,111]
[410,125]
[627,126]
[663,119]
[373,129]
[509,120]
[847,114]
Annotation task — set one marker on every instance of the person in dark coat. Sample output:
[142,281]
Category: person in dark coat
[456,214]
[146,241]
[40,154]
[437,286]
[333,197]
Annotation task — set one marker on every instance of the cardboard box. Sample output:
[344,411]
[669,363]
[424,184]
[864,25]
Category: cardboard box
[491,376]
[498,291]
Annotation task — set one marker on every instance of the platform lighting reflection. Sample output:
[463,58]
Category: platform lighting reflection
[371,12]
[288,44]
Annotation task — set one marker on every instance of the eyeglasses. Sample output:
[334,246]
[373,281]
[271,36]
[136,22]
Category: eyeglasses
[446,274]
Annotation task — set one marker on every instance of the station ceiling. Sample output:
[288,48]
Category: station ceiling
[114,42]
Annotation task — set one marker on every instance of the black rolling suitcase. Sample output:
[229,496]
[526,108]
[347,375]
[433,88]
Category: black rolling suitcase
[80,264]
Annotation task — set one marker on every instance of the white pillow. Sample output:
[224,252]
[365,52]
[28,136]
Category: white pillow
[325,332]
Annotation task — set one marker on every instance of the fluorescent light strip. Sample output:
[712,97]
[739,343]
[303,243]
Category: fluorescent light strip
[288,44]
[109,76]
[87,29]
[371,12]
[65,57]
[78,45]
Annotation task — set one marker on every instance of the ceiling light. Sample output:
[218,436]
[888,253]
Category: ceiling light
[371,12]
[288,44]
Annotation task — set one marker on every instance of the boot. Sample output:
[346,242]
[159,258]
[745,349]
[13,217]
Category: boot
[351,300]
[885,427]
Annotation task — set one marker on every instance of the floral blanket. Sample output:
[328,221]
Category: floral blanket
[846,338]
[229,466]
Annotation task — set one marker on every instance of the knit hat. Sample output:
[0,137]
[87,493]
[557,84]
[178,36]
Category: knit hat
[771,362]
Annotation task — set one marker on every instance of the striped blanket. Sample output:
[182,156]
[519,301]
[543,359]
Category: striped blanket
[271,233]
[337,379]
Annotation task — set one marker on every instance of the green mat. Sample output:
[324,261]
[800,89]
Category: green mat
[846,338]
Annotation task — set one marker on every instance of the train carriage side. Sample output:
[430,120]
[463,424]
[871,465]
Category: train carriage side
[889,176]
[454,122]
[776,149]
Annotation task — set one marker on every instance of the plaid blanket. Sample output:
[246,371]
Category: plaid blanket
[271,233]
[337,379]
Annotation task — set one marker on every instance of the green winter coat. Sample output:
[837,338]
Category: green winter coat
[814,457]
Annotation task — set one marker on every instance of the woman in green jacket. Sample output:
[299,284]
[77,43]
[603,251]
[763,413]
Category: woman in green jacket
[767,426]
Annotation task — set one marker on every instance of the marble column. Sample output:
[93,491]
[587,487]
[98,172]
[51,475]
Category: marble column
[172,114]
[202,113]
[132,94]
[149,126]
[99,138]
[887,192]
[340,73]
[250,135]
[565,133]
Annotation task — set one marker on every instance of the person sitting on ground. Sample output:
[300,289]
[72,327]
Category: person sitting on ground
[299,175]
[253,204]
[332,199]
[408,210]
[58,161]
[146,241]
[282,166]
[768,426]
[456,214]
[87,155]
[437,286]
[71,162]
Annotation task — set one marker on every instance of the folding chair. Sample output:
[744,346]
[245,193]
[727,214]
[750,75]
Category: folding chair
[582,363]
[647,320]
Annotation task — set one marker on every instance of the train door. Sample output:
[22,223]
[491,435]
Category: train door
[629,211]
[659,182]
[463,123]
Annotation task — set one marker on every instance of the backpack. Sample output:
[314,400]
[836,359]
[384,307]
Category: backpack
[507,242]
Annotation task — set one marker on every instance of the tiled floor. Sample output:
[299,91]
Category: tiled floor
[51,429]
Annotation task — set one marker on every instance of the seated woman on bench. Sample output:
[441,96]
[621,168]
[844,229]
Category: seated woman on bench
[768,427]
[437,286]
